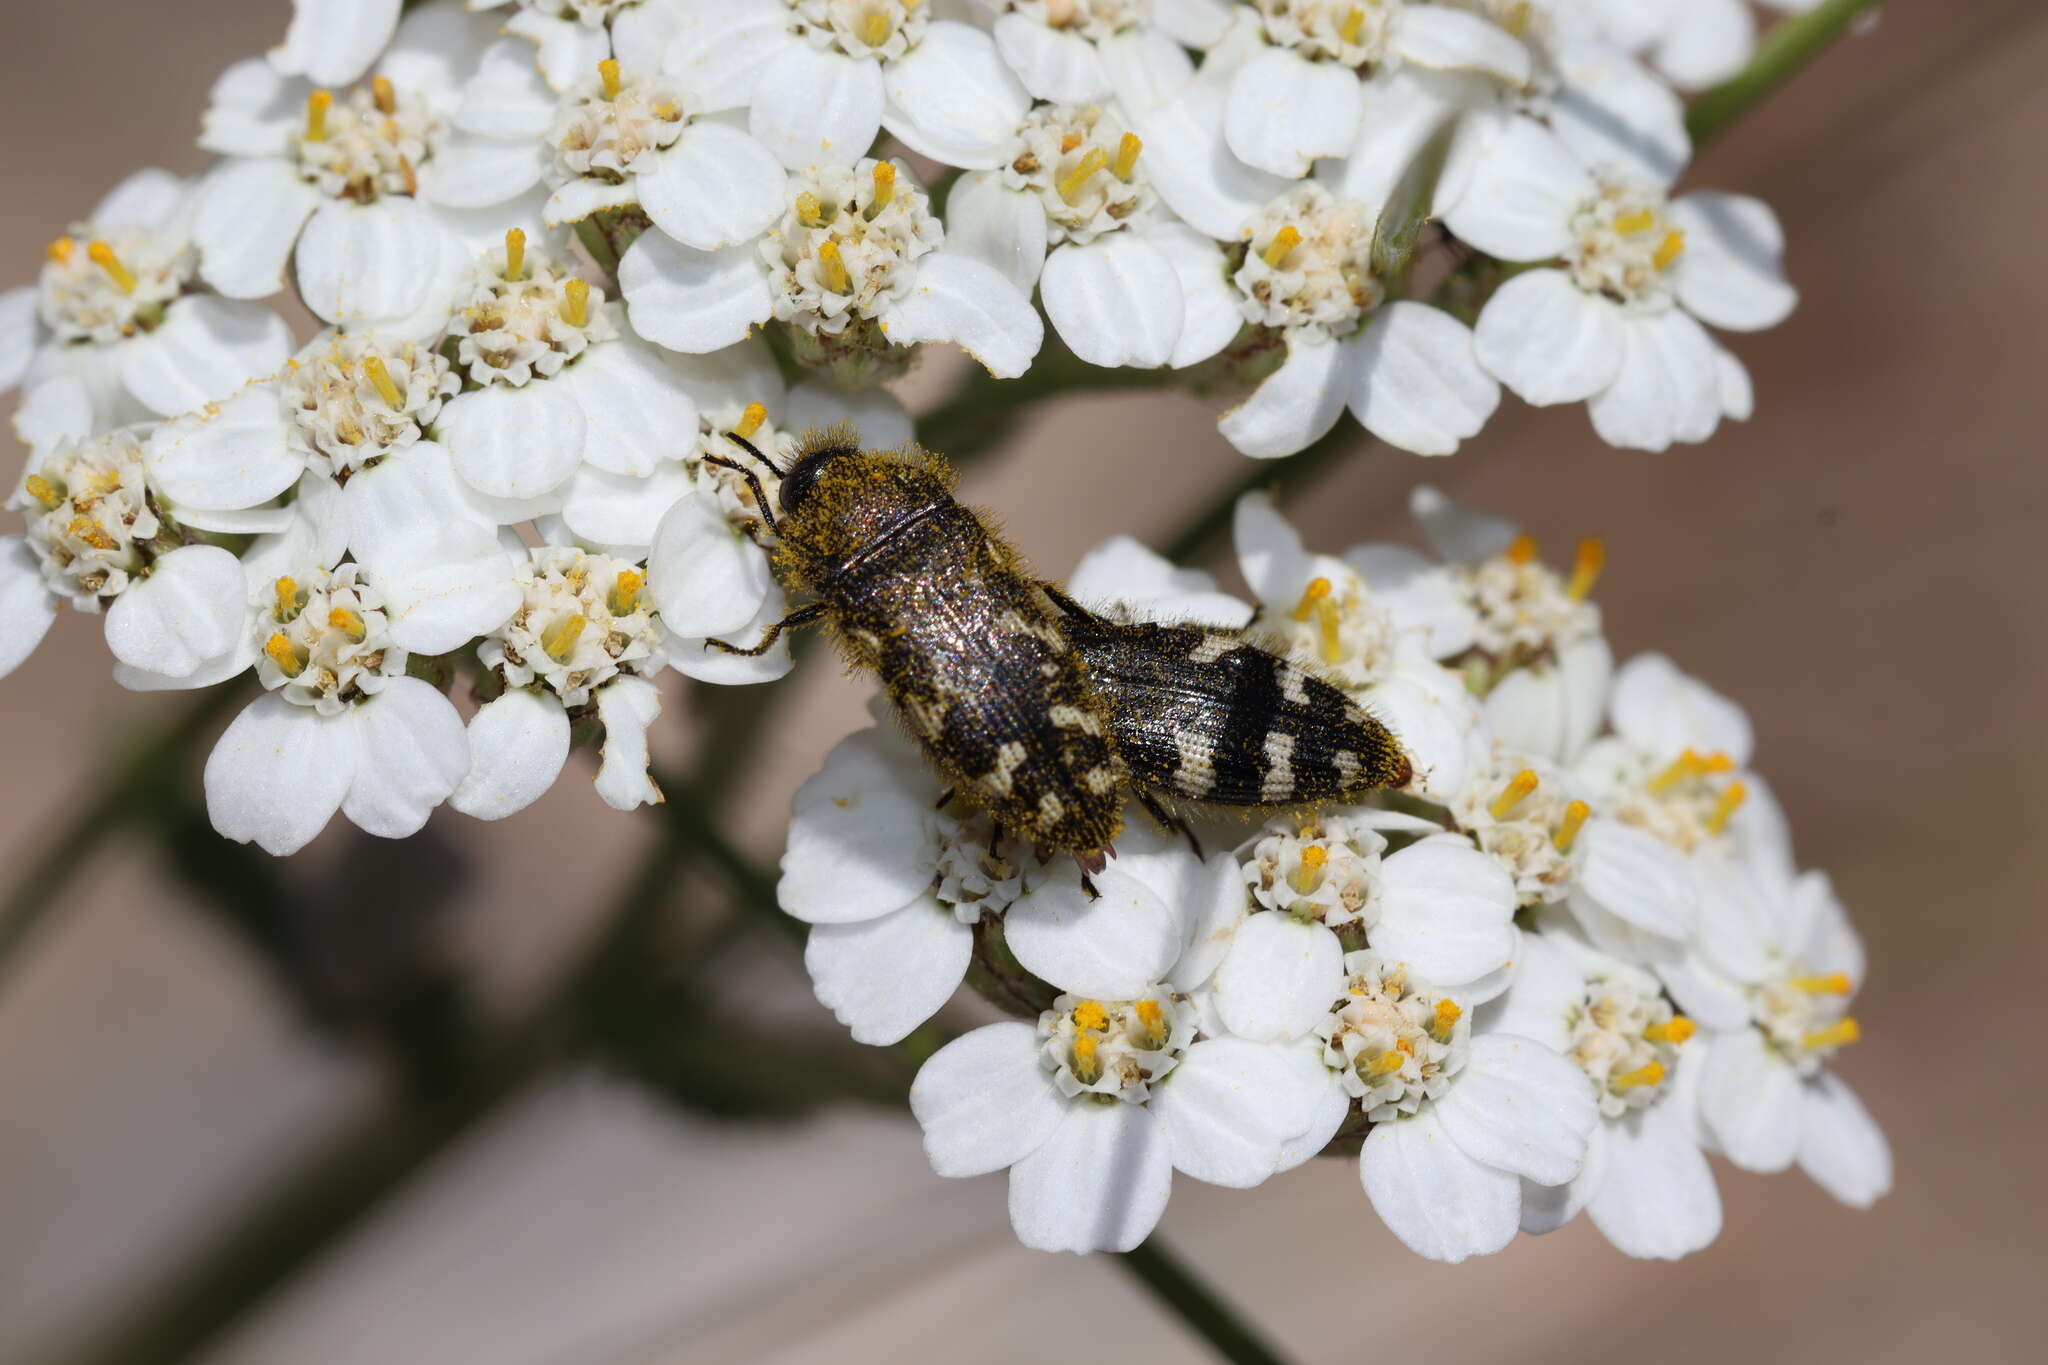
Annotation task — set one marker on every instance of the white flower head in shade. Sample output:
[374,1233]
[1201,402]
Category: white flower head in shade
[1119,1049]
[119,306]
[326,641]
[1617,320]
[848,244]
[93,519]
[1523,815]
[354,399]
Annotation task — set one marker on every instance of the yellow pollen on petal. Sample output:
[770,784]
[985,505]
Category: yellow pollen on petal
[1687,764]
[1447,1016]
[61,249]
[559,639]
[1669,249]
[751,420]
[832,270]
[1352,25]
[1575,816]
[386,97]
[1090,1015]
[1649,1073]
[288,603]
[1076,180]
[92,533]
[1677,1031]
[1284,241]
[624,598]
[42,490]
[1316,591]
[1731,801]
[1127,150]
[1154,1020]
[1834,983]
[608,72]
[103,256]
[1642,220]
[380,376]
[1330,625]
[1386,1064]
[875,30]
[885,187]
[285,655]
[809,211]
[1514,794]
[515,254]
[1522,549]
[1586,567]
[576,303]
[317,105]
[348,623]
[1840,1034]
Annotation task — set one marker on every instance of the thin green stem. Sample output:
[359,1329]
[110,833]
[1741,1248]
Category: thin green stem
[591,233]
[1784,51]
[1183,1293]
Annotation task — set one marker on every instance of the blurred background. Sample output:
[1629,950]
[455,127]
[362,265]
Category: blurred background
[258,1123]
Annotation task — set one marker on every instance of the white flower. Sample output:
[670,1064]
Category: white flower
[1077,51]
[1770,978]
[1697,43]
[347,188]
[333,42]
[1463,1113]
[119,307]
[571,35]
[855,265]
[1645,1184]
[1617,322]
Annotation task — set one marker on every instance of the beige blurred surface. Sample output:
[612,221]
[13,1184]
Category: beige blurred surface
[1861,566]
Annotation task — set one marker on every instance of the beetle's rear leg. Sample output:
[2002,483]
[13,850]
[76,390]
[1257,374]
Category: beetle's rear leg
[795,618]
[1169,821]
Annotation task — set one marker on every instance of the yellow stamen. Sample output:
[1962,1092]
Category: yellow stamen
[288,599]
[42,490]
[624,599]
[1284,241]
[1836,1035]
[608,72]
[1076,180]
[1447,1016]
[1316,591]
[1834,983]
[1668,250]
[515,254]
[875,30]
[1330,625]
[1514,794]
[1522,549]
[576,303]
[285,655]
[1154,1020]
[1732,797]
[885,187]
[348,623]
[317,105]
[751,420]
[1687,764]
[1575,817]
[1716,762]
[382,92]
[1642,220]
[1649,1073]
[1386,1064]
[1087,1069]
[1519,17]
[809,211]
[1592,558]
[559,639]
[1127,150]
[1677,1031]
[61,249]
[1352,26]
[92,533]
[103,256]
[1309,875]
[387,388]
[832,270]
[1090,1015]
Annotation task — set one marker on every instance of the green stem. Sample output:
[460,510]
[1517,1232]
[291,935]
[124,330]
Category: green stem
[1188,1298]
[591,233]
[1785,49]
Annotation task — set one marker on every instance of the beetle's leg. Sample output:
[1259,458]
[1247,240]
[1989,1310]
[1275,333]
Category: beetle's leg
[795,618]
[753,484]
[1065,603]
[1169,821]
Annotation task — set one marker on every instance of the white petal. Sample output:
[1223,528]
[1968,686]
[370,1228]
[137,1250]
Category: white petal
[1099,1183]
[883,977]
[1416,384]
[989,222]
[227,455]
[508,97]
[1113,947]
[1280,978]
[1054,64]
[620,510]
[1543,996]
[1657,1198]
[732,376]
[1284,111]
[1293,406]
[1438,36]
[861,842]
[1216,906]
[514,443]
[1446,909]
[1121,573]
[1519,194]
[1401,111]
[1116,301]
[1737,394]
[883,422]
[706,577]
[1707,43]
[517,746]
[333,42]
[206,349]
[148,198]
[1193,170]
[362,262]
[952,99]
[567,48]
[1196,23]
[248,216]
[27,606]
[1638,877]
[18,327]
[717,47]
[626,705]
[1750,1100]
[190,609]
[279,773]
[984,1101]
[1331,1110]
[1729,274]
[579,199]
[446,579]
[1614,114]
[972,306]
[1662,712]
[470,172]
[1441,1203]
[1229,1105]
[1209,314]
[1458,533]
[820,108]
[693,301]
[1435,725]
[252,111]
[436,52]
[693,659]
[1840,1144]
[1270,554]
[411,753]
[1668,388]
[1517,1106]
[715,186]
[637,413]
[1548,340]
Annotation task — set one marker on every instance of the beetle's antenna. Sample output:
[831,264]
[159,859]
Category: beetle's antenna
[744,444]
[761,503]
